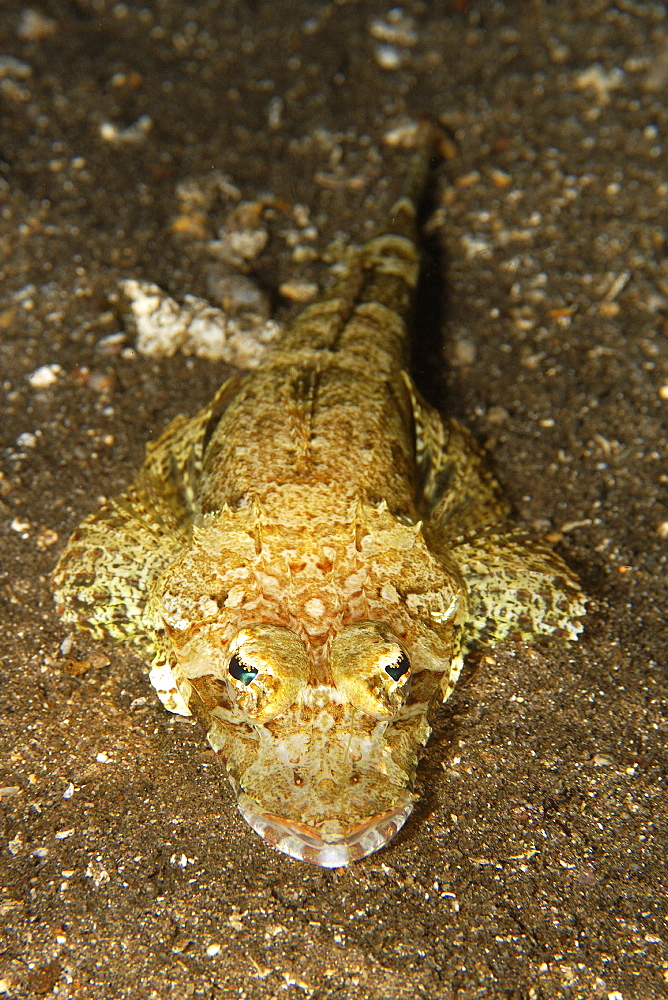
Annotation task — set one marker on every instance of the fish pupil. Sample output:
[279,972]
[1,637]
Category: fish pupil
[398,669]
[241,671]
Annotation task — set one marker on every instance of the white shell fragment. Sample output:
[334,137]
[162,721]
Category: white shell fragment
[394,33]
[163,327]
[44,376]
[396,28]
[12,68]
[136,132]
[239,246]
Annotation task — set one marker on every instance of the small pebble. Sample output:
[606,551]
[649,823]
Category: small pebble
[388,56]
[237,293]
[396,28]
[403,136]
[497,415]
[14,69]
[239,246]
[463,352]
[111,345]
[15,845]
[275,112]
[136,132]
[44,376]
[299,291]
[597,79]
[33,26]
[301,215]
[26,440]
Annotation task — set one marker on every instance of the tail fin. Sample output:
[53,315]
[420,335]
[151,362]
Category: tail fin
[377,287]
[425,144]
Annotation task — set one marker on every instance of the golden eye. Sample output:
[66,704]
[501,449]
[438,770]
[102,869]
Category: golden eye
[371,668]
[267,667]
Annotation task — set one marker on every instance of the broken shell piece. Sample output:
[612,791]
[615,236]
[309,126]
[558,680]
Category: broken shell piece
[162,327]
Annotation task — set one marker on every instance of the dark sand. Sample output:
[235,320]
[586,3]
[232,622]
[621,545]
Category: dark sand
[534,866]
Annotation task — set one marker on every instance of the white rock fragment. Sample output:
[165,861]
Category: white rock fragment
[475,246]
[201,192]
[237,294]
[600,80]
[243,236]
[33,25]
[497,415]
[15,845]
[98,873]
[212,950]
[302,215]
[463,352]
[136,132]
[239,246]
[44,376]
[388,56]
[403,136]
[14,69]
[275,112]
[20,526]
[163,327]
[26,440]
[396,28]
[299,291]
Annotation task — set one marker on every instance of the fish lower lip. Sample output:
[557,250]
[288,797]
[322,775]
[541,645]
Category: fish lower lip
[304,843]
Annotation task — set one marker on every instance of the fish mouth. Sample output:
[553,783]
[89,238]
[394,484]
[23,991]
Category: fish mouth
[306,843]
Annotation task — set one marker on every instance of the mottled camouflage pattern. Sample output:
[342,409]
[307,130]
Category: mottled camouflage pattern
[305,562]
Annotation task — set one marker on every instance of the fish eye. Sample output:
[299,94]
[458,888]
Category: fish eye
[267,666]
[371,668]
[398,669]
[241,671]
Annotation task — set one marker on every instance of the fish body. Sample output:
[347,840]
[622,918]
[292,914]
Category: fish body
[304,563]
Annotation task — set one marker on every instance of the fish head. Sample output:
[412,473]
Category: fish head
[319,725]
[322,770]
